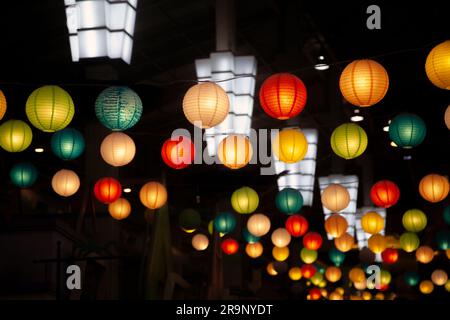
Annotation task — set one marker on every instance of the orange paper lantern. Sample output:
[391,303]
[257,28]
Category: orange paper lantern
[153,195]
[119,209]
[336,225]
[434,188]
[235,151]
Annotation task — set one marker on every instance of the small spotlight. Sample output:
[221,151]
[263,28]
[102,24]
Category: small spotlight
[389,122]
[127,190]
[386,129]
[393,144]
[357,118]
[321,58]
[39,150]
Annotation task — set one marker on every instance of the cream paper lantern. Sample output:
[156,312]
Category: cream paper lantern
[200,242]
[439,277]
[281,237]
[258,224]
[117,149]
[335,198]
[65,182]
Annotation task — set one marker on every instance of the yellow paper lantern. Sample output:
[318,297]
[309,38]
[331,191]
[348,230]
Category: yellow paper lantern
[271,270]
[258,224]
[119,209]
[333,274]
[244,200]
[447,117]
[317,278]
[290,145]
[344,243]
[254,250]
[426,287]
[2,105]
[377,243]
[424,254]
[447,286]
[364,83]
[379,296]
[15,135]
[414,220]
[200,242]
[409,241]
[235,151]
[336,225]
[349,141]
[280,254]
[437,65]
[357,275]
[65,182]
[281,237]
[322,284]
[117,149]
[335,296]
[366,295]
[372,222]
[335,198]
[308,256]
[439,277]
[295,273]
[153,195]
[385,277]
[434,188]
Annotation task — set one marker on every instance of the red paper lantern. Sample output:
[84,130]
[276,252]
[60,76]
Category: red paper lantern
[315,294]
[390,255]
[385,193]
[296,225]
[107,190]
[282,96]
[230,246]
[308,271]
[178,152]
[384,287]
[312,241]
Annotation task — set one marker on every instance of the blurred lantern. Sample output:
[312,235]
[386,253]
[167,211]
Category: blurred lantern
[385,277]
[281,237]
[254,250]
[200,242]
[225,222]
[344,243]
[308,271]
[322,283]
[340,290]
[335,198]
[295,273]
[178,152]
[119,209]
[379,296]
[206,105]
[446,215]
[447,117]
[312,241]
[296,225]
[290,145]
[15,135]
[366,295]
[289,201]
[2,105]
[333,274]
[414,220]
[407,130]
[439,277]
[372,222]
[317,278]
[447,286]
[426,287]
[23,174]
[230,246]
[437,65]
[280,254]
[377,243]
[392,242]
[360,285]
[357,275]
[235,151]
[50,108]
[336,256]
[117,149]
[67,144]
[336,225]
[271,270]
[248,237]
[282,96]
[443,239]
[189,219]
[364,83]
[65,182]
[153,195]
[335,296]
[349,141]
[434,188]
[308,256]
[107,190]
[118,108]
[385,194]
[409,241]
[258,224]
[390,255]
[244,200]
[411,278]
[315,294]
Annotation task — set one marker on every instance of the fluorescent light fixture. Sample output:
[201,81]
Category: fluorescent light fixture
[386,128]
[39,150]
[321,66]
[127,190]
[361,236]
[357,118]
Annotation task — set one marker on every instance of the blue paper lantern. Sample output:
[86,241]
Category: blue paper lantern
[407,130]
[225,222]
[289,201]
[67,144]
[336,256]
[411,278]
[23,175]
[249,237]
[443,239]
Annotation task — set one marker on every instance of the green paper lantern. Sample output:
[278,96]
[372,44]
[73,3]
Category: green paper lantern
[23,175]
[409,241]
[407,130]
[414,220]
[443,239]
[248,237]
[447,215]
[225,222]
[336,256]
[118,108]
[349,141]
[15,135]
[411,278]
[67,144]
[289,201]
[244,200]
[308,256]
[189,219]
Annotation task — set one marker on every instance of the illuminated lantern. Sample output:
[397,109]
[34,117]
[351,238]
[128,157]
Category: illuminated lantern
[443,240]
[437,65]
[385,277]
[2,105]
[206,105]
[244,200]
[248,236]
[392,242]
[411,278]
[230,246]
[118,108]
[200,242]
[225,222]
[117,149]
[333,274]
[67,144]
[335,198]
[336,225]
[340,290]
[153,195]
[390,255]
[447,253]
[235,151]
[414,220]
[119,209]
[323,283]
[280,254]
[282,96]
[15,135]
[65,182]
[385,194]
[315,294]
[344,243]
[178,152]
[447,117]
[439,277]
[377,243]
[336,256]
[23,175]
[281,237]
[258,224]
[407,130]
[447,286]
[295,273]
[317,278]
[349,141]
[289,201]
[379,296]
[335,296]
[308,256]
[364,83]
[434,188]
[366,295]
[189,219]
[357,275]
[312,241]
[308,271]
[426,287]
[271,270]
[50,108]
[254,250]
[107,190]
[290,145]
[447,215]
[360,285]
[296,225]
[372,222]
[409,241]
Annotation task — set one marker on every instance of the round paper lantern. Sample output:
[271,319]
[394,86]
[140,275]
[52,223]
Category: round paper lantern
[334,296]
[443,240]
[281,237]
[447,215]
[153,195]
[407,130]
[333,274]
[424,254]
[280,254]
[336,225]
[206,105]
[290,145]
[390,255]
[235,151]
[409,241]
[447,117]
[349,141]
[118,108]
[65,182]
[230,246]
[282,96]
[244,200]
[426,287]
[258,224]
[107,190]
[225,222]
[117,149]
[23,175]
[296,225]
[439,277]
[385,194]
[50,108]
[178,152]
[372,222]
[200,242]
[385,277]
[312,241]
[357,275]
[317,278]
[254,250]
[414,220]
[434,188]
[364,83]
[308,271]
[67,144]
[119,209]
[289,201]
[271,270]
[2,105]
[308,256]
[447,286]
[335,198]
[189,219]
[344,243]
[295,273]
[411,278]
[315,294]
[15,135]
[249,237]
[366,295]
[437,65]
[447,253]
[336,256]
[377,243]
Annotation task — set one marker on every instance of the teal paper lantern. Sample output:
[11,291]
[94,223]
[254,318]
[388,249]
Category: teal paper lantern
[225,222]
[289,201]
[189,219]
[248,237]
[443,239]
[411,278]
[118,108]
[68,144]
[23,175]
[336,256]
[407,130]
[447,215]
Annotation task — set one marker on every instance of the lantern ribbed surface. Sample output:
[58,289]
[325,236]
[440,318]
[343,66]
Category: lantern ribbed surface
[377,243]
[385,193]
[258,224]
[118,108]
[178,152]
[344,243]
[65,182]
[50,108]
[424,254]
[23,175]
[447,117]
[117,149]
[296,225]
[2,105]
[290,145]
[225,222]
[434,188]
[280,237]
[437,65]
[15,135]
[235,151]
[107,190]
[336,225]
[289,201]
[254,250]
[409,241]
[119,209]
[407,130]
[244,200]
[414,220]
[372,222]
[335,198]
[67,144]
[153,195]
[349,141]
